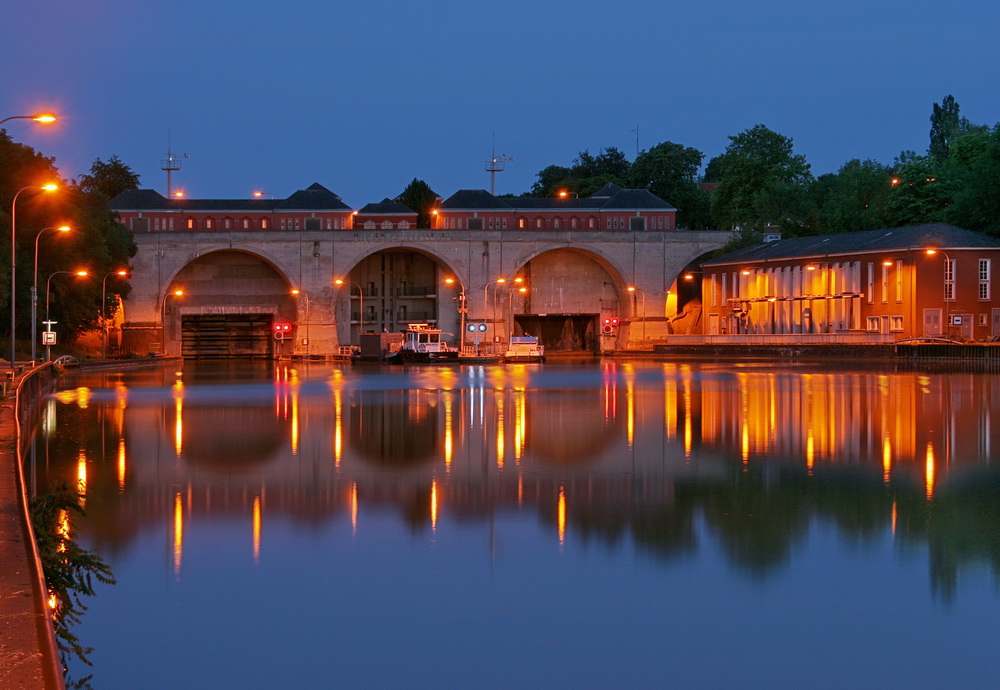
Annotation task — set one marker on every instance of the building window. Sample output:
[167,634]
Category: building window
[983,320]
[156,224]
[208,224]
[263,223]
[885,283]
[282,223]
[609,223]
[404,225]
[296,223]
[871,283]
[246,223]
[228,223]
[190,223]
[899,281]
[170,222]
[520,223]
[491,223]
[592,223]
[555,223]
[572,223]
[715,300]
[873,323]
[984,279]
[896,324]
[505,223]
[386,225]
[369,225]
[538,223]
[949,279]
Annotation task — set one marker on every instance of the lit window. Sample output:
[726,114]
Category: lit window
[190,224]
[538,223]
[984,279]
[591,223]
[520,223]
[208,224]
[263,223]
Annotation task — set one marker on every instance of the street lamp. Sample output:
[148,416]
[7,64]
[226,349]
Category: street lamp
[633,289]
[361,306]
[463,308]
[13,257]
[949,294]
[300,293]
[48,321]
[104,306]
[510,300]
[163,318]
[42,118]
[34,286]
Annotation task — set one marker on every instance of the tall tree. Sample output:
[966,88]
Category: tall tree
[762,181]
[972,177]
[919,194]
[852,199]
[670,171]
[945,122]
[588,174]
[109,179]
[421,198]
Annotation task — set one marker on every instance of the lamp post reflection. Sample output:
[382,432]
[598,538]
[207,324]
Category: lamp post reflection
[634,290]
[163,318]
[463,308]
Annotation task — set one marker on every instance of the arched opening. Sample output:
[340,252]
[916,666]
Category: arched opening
[390,289]
[226,304]
[562,297]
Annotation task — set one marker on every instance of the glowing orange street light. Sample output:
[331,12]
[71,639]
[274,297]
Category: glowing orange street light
[42,118]
[563,194]
[179,194]
[48,286]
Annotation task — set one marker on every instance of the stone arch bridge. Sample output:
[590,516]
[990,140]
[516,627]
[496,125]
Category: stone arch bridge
[221,294]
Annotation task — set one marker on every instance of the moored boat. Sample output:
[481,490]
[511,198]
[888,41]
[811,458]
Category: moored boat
[524,348]
[423,345]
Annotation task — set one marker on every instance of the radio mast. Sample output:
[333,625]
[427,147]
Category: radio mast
[494,165]
[170,164]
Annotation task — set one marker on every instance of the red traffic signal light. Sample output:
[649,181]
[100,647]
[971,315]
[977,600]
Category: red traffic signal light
[609,324]
[280,329]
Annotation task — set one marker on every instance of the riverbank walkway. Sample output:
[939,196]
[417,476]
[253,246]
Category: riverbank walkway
[28,655]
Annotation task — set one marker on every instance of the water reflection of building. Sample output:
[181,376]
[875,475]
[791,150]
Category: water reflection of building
[604,455]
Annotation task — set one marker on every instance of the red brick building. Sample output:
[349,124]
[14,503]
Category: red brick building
[917,281]
[386,215]
[313,208]
[610,208]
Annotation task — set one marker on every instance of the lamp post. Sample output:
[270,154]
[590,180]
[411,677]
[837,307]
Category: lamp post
[633,290]
[510,299]
[949,269]
[462,310]
[361,305]
[48,286]
[34,286]
[163,317]
[104,305]
[299,293]
[13,257]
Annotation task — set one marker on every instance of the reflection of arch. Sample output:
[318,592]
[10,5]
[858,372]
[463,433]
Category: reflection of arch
[569,427]
[230,438]
[396,428]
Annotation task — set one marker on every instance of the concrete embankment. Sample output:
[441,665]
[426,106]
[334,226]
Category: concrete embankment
[29,657]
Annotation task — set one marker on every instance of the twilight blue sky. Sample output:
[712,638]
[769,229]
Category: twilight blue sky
[362,97]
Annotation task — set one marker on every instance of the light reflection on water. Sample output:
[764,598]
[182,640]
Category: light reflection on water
[698,524]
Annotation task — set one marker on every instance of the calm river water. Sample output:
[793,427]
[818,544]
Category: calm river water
[577,525]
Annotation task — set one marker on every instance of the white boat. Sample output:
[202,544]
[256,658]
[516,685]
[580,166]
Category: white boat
[524,348]
[423,345]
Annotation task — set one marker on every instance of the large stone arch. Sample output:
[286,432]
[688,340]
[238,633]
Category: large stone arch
[219,302]
[386,287]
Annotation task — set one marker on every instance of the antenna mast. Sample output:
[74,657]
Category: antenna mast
[494,165]
[170,164]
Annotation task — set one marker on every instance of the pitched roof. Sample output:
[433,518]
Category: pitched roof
[473,199]
[616,199]
[316,197]
[919,237]
[386,206]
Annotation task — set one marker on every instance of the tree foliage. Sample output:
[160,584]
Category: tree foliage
[670,171]
[97,242]
[421,198]
[762,182]
[109,179]
[588,174]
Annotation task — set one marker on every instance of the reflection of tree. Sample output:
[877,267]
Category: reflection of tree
[759,515]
